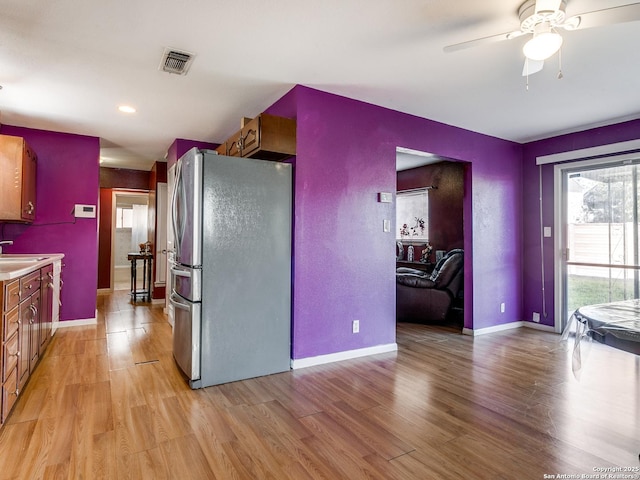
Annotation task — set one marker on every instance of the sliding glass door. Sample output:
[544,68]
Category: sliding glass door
[600,234]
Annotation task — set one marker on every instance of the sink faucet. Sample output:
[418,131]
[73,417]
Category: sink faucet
[5,242]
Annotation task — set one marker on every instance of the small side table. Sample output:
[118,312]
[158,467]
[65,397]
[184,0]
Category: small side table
[147,258]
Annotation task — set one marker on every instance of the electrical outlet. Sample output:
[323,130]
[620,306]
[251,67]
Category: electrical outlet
[536,317]
[502,307]
[355,326]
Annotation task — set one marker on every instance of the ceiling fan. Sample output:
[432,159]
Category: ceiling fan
[543,20]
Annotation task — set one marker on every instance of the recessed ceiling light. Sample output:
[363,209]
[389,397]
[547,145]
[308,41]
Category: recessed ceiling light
[126,109]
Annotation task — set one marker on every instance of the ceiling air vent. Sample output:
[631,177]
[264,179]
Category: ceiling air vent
[175,61]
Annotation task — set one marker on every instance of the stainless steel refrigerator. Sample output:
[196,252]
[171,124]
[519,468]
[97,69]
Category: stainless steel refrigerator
[231,276]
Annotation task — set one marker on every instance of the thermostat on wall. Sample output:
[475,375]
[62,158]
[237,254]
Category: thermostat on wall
[85,211]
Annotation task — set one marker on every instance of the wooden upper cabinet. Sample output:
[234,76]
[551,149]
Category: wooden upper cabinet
[267,137]
[17,180]
[222,149]
[233,145]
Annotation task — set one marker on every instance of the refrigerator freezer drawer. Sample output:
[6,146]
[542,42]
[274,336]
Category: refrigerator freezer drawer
[186,336]
[187,282]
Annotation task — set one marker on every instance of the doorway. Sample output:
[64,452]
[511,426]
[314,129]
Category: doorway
[441,181]
[130,228]
[600,261]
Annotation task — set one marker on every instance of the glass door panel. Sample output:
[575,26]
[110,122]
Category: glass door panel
[601,242]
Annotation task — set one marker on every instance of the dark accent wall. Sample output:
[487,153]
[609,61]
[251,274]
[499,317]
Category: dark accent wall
[446,228]
[124,178]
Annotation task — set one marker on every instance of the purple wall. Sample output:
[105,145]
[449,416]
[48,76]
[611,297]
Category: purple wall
[346,155]
[181,146]
[532,276]
[67,174]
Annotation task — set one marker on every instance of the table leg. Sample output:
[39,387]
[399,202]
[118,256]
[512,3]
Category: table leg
[144,274]
[149,280]
[134,274]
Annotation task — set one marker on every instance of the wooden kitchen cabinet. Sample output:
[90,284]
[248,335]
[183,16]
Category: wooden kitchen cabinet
[46,307]
[29,321]
[10,345]
[27,316]
[17,180]
[222,148]
[267,137]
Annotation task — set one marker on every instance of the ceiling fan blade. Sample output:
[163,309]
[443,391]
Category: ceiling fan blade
[610,16]
[482,41]
[547,5]
[532,66]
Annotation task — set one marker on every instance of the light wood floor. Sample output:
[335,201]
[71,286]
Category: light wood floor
[108,402]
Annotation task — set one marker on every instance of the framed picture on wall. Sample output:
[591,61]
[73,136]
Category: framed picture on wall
[412,215]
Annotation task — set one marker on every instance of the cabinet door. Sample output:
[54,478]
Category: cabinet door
[251,137]
[34,331]
[29,161]
[46,307]
[234,145]
[17,180]
[23,342]
[10,178]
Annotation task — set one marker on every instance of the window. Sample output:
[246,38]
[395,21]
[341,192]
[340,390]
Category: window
[124,217]
[412,215]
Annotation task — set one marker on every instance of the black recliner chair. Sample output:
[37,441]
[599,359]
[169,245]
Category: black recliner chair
[427,298]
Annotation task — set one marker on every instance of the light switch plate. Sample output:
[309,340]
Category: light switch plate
[386,226]
[385,197]
[547,231]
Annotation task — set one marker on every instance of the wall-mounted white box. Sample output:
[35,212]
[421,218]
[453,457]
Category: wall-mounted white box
[84,211]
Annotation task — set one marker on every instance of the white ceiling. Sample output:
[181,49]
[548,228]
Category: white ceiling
[67,65]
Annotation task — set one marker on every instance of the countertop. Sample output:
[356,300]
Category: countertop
[19,264]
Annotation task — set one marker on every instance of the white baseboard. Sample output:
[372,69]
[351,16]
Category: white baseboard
[158,301]
[105,291]
[537,326]
[77,323]
[339,356]
[506,326]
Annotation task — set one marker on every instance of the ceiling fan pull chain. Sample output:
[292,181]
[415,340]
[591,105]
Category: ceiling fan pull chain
[560,75]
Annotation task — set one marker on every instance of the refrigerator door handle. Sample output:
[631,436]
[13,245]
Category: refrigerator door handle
[174,210]
[181,273]
[177,303]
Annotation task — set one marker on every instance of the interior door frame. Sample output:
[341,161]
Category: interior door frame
[560,225]
[114,200]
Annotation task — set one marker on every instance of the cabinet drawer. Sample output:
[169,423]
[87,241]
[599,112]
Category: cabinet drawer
[11,322]
[29,283]
[9,357]
[11,295]
[9,394]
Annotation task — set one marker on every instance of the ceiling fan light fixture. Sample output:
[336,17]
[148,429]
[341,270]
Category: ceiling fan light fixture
[543,45]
